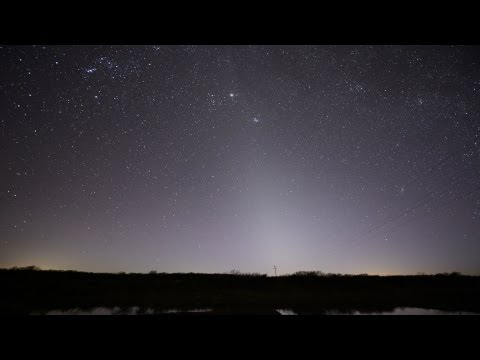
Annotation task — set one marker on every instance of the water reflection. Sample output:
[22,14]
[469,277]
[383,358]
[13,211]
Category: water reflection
[136,310]
[396,311]
[176,311]
[416,311]
[286,312]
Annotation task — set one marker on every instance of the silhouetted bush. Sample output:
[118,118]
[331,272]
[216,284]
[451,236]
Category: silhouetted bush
[27,268]
[308,273]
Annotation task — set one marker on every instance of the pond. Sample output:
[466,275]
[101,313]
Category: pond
[136,310]
[396,311]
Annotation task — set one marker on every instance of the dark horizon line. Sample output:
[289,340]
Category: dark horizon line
[239,273]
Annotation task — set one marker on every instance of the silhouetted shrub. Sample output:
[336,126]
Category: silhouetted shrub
[308,273]
[27,268]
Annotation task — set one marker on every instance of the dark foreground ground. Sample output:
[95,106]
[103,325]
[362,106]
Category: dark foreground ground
[27,291]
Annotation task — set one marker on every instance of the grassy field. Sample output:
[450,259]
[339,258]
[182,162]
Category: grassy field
[30,290]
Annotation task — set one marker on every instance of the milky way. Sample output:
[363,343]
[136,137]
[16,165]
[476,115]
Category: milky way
[351,159]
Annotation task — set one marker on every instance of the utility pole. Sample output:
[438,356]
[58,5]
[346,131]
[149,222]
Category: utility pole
[275,268]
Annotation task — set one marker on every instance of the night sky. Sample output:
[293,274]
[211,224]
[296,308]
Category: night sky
[348,159]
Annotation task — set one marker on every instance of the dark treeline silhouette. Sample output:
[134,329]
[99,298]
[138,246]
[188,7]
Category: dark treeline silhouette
[29,289]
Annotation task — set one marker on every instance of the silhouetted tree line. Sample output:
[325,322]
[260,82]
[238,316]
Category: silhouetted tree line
[235,272]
